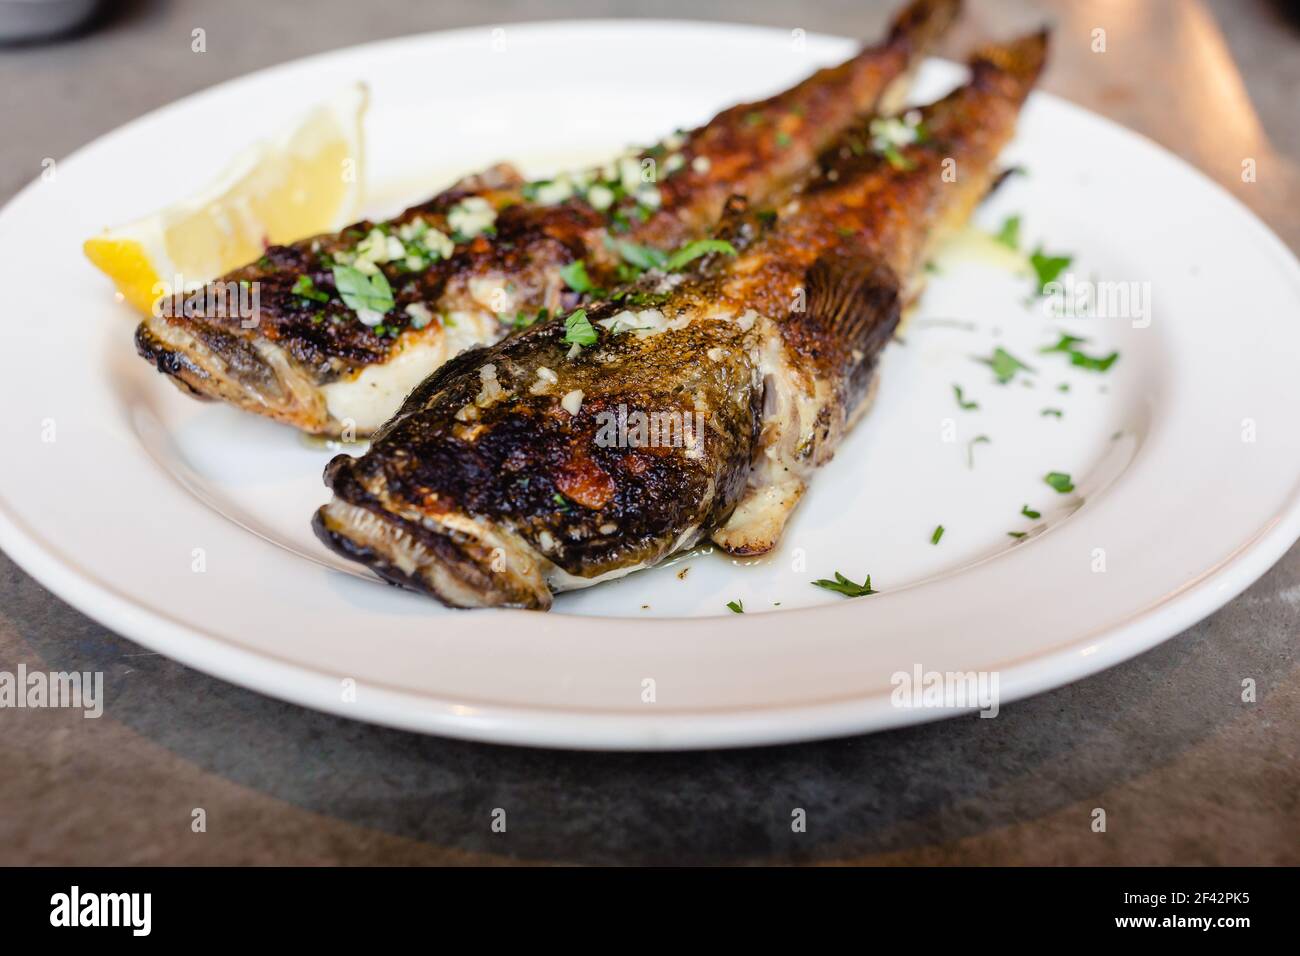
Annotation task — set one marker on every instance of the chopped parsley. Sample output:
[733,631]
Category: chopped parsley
[1009,234]
[643,258]
[307,289]
[965,405]
[1005,365]
[1016,534]
[693,250]
[1047,268]
[523,320]
[1030,513]
[1080,359]
[578,330]
[783,139]
[736,607]
[361,292]
[889,133]
[938,533]
[1059,481]
[970,447]
[576,278]
[842,585]
[1053,412]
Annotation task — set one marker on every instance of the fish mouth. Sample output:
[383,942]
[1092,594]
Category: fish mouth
[210,362]
[463,561]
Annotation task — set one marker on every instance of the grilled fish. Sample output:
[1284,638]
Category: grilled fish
[347,324]
[593,445]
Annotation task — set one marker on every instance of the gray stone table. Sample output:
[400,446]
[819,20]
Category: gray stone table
[1186,772]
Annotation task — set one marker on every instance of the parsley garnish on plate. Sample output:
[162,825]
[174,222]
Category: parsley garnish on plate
[934,538]
[1053,412]
[842,585]
[1005,365]
[578,330]
[361,292]
[1068,344]
[305,287]
[737,607]
[1060,481]
[693,250]
[1016,534]
[970,447]
[1029,512]
[1047,268]
[962,402]
[1009,234]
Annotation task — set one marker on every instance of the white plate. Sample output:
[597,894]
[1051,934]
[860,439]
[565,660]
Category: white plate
[1187,509]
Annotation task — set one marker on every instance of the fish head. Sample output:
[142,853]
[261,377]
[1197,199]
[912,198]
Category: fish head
[542,464]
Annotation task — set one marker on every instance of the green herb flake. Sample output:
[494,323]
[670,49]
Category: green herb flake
[1005,365]
[842,585]
[1047,268]
[576,278]
[1068,344]
[938,533]
[523,320]
[1052,412]
[783,139]
[307,289]
[639,257]
[1009,234]
[970,448]
[1059,481]
[1030,513]
[897,160]
[736,607]
[360,291]
[962,403]
[1016,534]
[578,330]
[694,250]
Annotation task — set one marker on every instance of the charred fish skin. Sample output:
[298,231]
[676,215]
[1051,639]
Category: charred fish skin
[499,246]
[497,459]
[504,459]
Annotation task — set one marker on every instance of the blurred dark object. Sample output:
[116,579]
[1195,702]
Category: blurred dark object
[23,21]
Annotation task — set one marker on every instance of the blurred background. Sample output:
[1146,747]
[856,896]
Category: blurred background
[1213,80]
[1187,774]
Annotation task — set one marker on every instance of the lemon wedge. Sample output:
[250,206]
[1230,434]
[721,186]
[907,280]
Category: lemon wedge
[305,182]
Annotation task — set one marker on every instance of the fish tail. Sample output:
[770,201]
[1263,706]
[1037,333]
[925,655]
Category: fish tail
[918,25]
[1013,67]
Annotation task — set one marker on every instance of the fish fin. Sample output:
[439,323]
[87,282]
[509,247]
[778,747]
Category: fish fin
[760,516]
[853,307]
